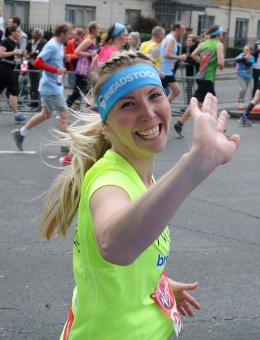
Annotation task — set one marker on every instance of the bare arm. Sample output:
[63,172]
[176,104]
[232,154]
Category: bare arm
[169,55]
[220,55]
[81,50]
[4,54]
[124,228]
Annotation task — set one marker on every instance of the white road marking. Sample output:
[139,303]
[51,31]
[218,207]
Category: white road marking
[9,152]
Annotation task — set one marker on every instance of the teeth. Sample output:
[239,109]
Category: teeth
[150,132]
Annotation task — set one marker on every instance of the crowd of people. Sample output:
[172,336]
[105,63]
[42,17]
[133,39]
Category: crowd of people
[121,240]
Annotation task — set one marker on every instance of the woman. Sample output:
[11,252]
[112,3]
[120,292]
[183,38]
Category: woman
[133,41]
[244,62]
[115,39]
[122,241]
[85,52]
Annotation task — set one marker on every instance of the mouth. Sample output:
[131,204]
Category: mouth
[150,133]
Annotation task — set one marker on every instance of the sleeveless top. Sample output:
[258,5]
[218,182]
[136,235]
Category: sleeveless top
[113,302]
[83,63]
[209,60]
[167,64]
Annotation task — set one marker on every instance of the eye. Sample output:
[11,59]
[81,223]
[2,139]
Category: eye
[155,95]
[126,105]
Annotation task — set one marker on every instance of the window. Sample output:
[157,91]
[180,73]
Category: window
[241,32]
[17,9]
[258,30]
[80,16]
[131,17]
[204,21]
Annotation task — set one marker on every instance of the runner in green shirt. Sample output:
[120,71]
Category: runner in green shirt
[122,242]
[210,55]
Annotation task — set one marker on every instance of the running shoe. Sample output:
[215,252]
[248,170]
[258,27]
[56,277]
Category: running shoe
[245,122]
[178,128]
[64,149]
[65,160]
[20,118]
[18,138]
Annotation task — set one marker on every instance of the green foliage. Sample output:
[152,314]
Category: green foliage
[145,24]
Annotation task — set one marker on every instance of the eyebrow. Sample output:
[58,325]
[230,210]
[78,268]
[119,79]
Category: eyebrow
[132,97]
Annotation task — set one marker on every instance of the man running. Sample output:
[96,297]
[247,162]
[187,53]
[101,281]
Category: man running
[210,56]
[169,56]
[50,60]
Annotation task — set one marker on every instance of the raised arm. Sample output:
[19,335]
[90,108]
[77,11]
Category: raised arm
[124,228]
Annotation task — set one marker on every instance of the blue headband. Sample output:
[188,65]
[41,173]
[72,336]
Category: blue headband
[119,29]
[123,82]
[216,32]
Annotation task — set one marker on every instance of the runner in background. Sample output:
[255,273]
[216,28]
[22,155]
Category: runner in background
[210,56]
[85,52]
[116,38]
[169,56]
[122,241]
[69,53]
[151,47]
[243,120]
[51,61]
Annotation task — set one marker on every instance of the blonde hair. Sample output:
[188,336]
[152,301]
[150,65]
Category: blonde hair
[87,144]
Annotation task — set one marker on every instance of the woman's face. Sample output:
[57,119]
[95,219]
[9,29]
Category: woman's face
[138,124]
[131,40]
[122,39]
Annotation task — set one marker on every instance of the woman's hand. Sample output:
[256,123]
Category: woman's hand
[209,139]
[184,300]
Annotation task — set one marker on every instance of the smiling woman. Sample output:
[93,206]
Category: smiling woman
[122,241]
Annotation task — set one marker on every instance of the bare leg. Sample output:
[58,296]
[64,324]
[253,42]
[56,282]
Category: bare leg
[175,91]
[13,103]
[38,118]
[64,121]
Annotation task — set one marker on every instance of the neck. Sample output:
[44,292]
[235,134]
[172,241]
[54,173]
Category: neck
[59,40]
[144,166]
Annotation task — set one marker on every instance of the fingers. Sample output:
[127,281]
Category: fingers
[210,105]
[235,139]
[222,120]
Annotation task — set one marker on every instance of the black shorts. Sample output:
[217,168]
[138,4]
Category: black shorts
[9,80]
[258,84]
[204,86]
[168,79]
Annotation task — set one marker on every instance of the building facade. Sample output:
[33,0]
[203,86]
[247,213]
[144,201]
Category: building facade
[240,19]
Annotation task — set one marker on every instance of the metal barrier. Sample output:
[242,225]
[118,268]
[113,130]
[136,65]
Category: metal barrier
[226,85]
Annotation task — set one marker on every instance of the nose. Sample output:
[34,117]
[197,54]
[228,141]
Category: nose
[147,111]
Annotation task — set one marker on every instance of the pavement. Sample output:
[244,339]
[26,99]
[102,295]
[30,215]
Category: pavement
[215,240]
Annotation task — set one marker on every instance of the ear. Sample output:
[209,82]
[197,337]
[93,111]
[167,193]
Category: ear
[106,128]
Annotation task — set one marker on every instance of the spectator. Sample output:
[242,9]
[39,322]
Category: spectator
[192,66]
[244,61]
[256,66]
[8,78]
[33,48]
[133,40]
[1,23]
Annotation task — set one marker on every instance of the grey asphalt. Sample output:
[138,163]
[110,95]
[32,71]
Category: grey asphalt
[215,241]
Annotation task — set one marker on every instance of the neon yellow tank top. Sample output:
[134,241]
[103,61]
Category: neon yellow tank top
[112,302]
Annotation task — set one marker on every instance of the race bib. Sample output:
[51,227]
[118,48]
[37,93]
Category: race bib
[164,298]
